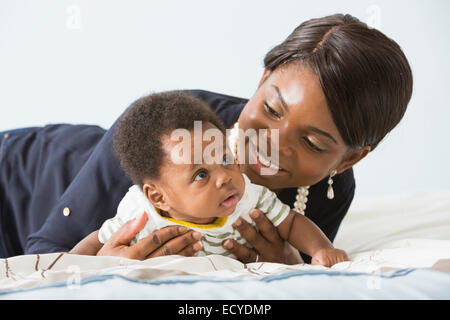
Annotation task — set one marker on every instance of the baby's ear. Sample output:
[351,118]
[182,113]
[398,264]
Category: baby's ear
[155,196]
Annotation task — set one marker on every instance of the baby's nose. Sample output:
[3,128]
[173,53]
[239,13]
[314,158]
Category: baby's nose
[223,179]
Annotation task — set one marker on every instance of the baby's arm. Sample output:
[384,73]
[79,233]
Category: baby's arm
[88,246]
[307,237]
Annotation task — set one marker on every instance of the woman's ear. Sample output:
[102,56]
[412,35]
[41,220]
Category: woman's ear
[155,195]
[352,158]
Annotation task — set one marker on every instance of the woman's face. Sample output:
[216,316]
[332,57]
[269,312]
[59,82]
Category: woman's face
[291,100]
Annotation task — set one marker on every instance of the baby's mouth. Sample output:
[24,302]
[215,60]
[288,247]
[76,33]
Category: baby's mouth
[231,200]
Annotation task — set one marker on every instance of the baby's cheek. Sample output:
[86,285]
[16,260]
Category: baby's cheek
[240,185]
[203,207]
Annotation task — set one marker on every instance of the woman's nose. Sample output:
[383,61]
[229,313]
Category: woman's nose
[223,178]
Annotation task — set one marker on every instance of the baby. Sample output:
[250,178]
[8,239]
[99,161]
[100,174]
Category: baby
[207,196]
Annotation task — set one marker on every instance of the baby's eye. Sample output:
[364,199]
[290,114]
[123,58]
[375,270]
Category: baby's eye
[200,176]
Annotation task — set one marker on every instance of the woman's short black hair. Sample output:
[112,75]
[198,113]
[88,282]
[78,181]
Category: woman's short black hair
[365,76]
[137,136]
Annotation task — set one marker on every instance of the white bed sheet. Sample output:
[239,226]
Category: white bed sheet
[377,222]
[399,248]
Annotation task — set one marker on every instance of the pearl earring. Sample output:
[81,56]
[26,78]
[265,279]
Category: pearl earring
[330,193]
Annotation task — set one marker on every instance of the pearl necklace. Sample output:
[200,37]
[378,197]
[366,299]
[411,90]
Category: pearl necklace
[302,192]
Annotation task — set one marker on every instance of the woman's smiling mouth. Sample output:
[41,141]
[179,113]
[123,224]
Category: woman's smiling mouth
[261,164]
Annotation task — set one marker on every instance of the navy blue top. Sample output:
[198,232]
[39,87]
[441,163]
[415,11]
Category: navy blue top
[46,169]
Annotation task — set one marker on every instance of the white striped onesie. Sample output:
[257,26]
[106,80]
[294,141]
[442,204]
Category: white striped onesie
[255,196]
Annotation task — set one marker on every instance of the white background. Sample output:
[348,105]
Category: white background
[85,61]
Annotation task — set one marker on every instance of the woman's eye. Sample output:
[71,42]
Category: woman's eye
[200,176]
[313,146]
[272,111]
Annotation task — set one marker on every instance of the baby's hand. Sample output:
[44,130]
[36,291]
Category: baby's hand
[329,256]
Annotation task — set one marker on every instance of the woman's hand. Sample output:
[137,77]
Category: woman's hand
[166,241]
[267,245]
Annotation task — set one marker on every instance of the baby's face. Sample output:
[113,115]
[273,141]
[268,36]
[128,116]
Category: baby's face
[200,192]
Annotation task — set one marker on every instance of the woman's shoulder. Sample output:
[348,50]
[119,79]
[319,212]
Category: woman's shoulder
[228,108]
[211,96]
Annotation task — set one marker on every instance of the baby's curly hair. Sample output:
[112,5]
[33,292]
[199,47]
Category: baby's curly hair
[137,136]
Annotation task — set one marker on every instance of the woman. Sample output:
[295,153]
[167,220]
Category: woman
[334,88]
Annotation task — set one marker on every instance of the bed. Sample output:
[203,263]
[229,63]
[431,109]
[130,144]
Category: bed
[399,248]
